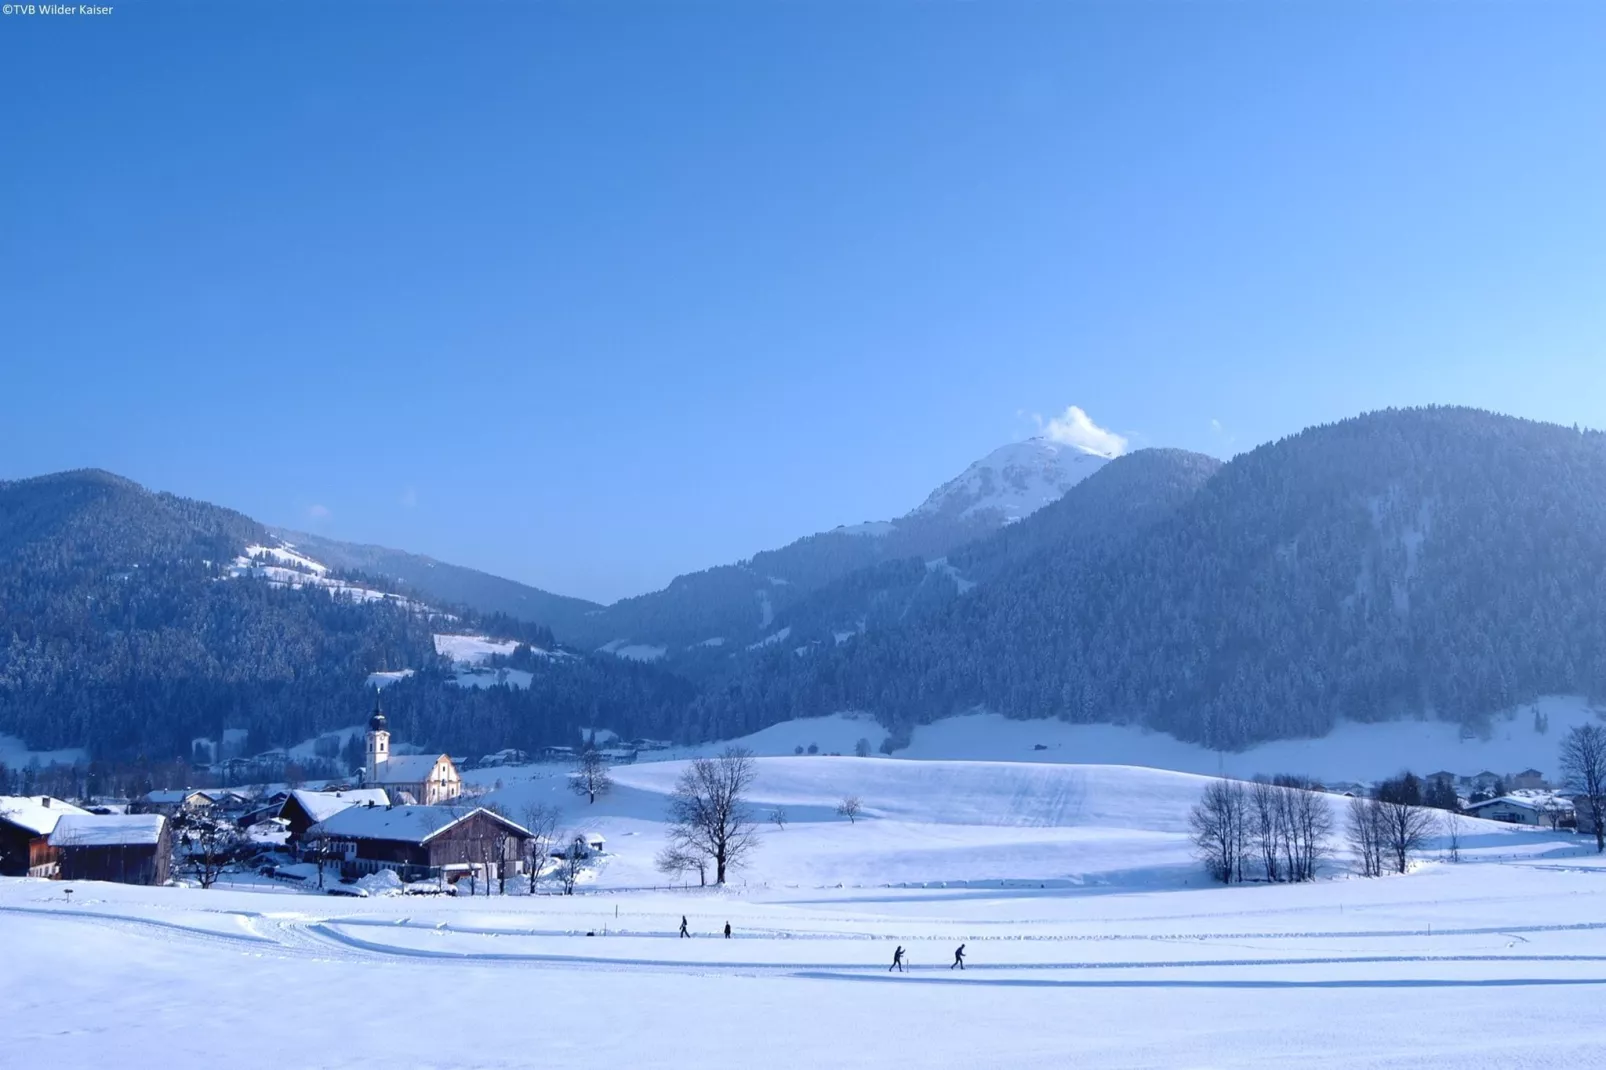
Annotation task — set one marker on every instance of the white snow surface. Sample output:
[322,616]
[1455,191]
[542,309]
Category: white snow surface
[14,754]
[1351,752]
[1013,481]
[383,680]
[1091,937]
[473,649]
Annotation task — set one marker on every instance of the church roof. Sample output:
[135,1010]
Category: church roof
[405,769]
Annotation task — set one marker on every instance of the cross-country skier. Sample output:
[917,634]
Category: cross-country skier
[897,960]
[959,957]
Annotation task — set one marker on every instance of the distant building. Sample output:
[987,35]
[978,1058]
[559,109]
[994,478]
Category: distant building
[125,848]
[304,809]
[26,822]
[421,842]
[1527,780]
[173,802]
[1521,811]
[427,781]
[507,756]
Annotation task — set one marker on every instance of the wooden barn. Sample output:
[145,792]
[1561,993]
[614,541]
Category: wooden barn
[26,822]
[421,842]
[124,848]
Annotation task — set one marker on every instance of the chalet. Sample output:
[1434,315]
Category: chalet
[304,809]
[1442,779]
[172,803]
[421,842]
[1530,810]
[426,780]
[558,754]
[506,756]
[265,809]
[124,848]
[1527,780]
[26,822]
[1484,781]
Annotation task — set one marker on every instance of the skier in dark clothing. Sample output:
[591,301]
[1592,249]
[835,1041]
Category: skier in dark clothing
[727,930]
[683,931]
[959,957]
[897,960]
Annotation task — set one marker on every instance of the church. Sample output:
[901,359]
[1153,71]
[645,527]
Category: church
[423,779]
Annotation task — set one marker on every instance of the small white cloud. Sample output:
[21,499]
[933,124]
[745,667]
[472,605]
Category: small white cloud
[1222,435]
[1073,427]
[318,512]
[409,498]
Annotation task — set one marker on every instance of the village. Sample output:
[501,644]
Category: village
[410,823]
[404,821]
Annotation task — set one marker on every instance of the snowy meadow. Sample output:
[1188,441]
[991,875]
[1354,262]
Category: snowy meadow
[1092,937]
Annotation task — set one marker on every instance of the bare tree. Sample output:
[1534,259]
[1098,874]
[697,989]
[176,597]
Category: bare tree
[779,817]
[1365,831]
[590,777]
[675,862]
[1406,829]
[209,845]
[1267,828]
[571,863]
[1308,823]
[850,807]
[1583,768]
[1220,823]
[708,811]
[541,822]
[1451,825]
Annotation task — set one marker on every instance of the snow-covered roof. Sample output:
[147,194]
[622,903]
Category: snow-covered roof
[36,813]
[406,769]
[108,830]
[404,824]
[1536,801]
[173,797]
[322,805]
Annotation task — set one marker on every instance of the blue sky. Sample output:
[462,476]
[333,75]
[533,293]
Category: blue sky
[590,295]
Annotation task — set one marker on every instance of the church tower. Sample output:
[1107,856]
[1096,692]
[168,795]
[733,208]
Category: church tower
[378,752]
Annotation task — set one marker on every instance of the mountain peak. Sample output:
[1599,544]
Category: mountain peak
[1013,481]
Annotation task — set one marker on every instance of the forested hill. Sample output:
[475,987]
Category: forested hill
[132,622]
[1440,561]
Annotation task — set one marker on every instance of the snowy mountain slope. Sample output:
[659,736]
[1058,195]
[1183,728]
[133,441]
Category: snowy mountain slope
[1012,482]
[741,600]
[434,580]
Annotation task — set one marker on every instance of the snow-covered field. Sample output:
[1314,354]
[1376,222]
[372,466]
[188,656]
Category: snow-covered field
[1092,940]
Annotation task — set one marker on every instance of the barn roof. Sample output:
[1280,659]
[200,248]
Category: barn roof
[406,769]
[322,805]
[402,824]
[37,814]
[108,830]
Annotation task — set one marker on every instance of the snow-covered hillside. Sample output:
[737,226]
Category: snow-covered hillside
[284,566]
[1013,481]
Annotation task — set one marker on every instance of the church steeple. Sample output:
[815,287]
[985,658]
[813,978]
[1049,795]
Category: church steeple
[378,750]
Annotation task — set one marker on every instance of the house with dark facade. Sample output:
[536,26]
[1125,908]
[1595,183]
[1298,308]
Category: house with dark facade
[26,822]
[124,848]
[420,842]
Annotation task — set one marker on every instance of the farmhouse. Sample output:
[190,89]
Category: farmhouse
[171,803]
[304,809]
[421,842]
[1527,780]
[26,822]
[125,848]
[1535,810]
[423,779]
